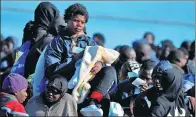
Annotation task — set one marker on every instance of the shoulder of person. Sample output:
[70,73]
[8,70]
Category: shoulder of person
[84,37]
[88,39]
[39,34]
[48,36]
[158,110]
[15,108]
[178,68]
[34,99]
[67,97]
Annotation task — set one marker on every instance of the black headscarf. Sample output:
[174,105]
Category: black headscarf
[45,14]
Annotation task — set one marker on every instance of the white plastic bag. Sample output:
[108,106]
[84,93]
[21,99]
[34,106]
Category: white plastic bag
[116,109]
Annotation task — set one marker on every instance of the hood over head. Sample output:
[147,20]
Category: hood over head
[45,14]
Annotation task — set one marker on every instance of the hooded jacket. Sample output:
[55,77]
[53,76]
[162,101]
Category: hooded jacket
[169,101]
[9,105]
[65,106]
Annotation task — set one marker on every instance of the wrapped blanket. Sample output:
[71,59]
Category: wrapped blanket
[82,75]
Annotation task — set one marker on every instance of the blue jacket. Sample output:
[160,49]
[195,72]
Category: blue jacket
[59,53]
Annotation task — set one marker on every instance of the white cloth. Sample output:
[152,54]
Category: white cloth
[39,73]
[72,83]
[92,54]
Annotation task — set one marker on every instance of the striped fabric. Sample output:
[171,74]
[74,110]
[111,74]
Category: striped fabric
[12,106]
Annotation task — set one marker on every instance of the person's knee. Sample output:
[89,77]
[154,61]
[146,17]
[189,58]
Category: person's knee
[110,72]
[109,69]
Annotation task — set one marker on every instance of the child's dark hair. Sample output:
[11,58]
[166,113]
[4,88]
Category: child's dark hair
[76,9]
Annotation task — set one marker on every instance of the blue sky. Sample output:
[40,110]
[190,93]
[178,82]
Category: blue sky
[116,32]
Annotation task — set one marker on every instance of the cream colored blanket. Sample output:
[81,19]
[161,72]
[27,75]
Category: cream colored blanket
[92,54]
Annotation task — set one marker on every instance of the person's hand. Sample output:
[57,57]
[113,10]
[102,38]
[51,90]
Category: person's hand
[143,87]
[131,108]
[97,67]
[75,36]
[192,100]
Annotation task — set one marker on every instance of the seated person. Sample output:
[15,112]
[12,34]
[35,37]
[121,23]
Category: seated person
[126,90]
[166,97]
[14,94]
[54,101]
[60,57]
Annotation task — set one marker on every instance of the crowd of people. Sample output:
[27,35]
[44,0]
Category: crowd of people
[145,80]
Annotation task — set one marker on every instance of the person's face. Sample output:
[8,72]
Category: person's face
[132,55]
[5,49]
[76,24]
[21,95]
[149,39]
[157,83]
[146,75]
[11,47]
[166,52]
[183,61]
[52,94]
[144,54]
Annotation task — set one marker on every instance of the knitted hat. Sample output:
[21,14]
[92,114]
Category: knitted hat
[14,82]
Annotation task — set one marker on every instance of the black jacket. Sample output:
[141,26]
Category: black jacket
[171,101]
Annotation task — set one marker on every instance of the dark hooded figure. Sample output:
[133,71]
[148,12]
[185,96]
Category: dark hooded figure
[46,25]
[54,101]
[169,99]
[166,96]
[45,14]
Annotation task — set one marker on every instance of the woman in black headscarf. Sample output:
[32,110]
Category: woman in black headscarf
[43,29]
[45,14]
